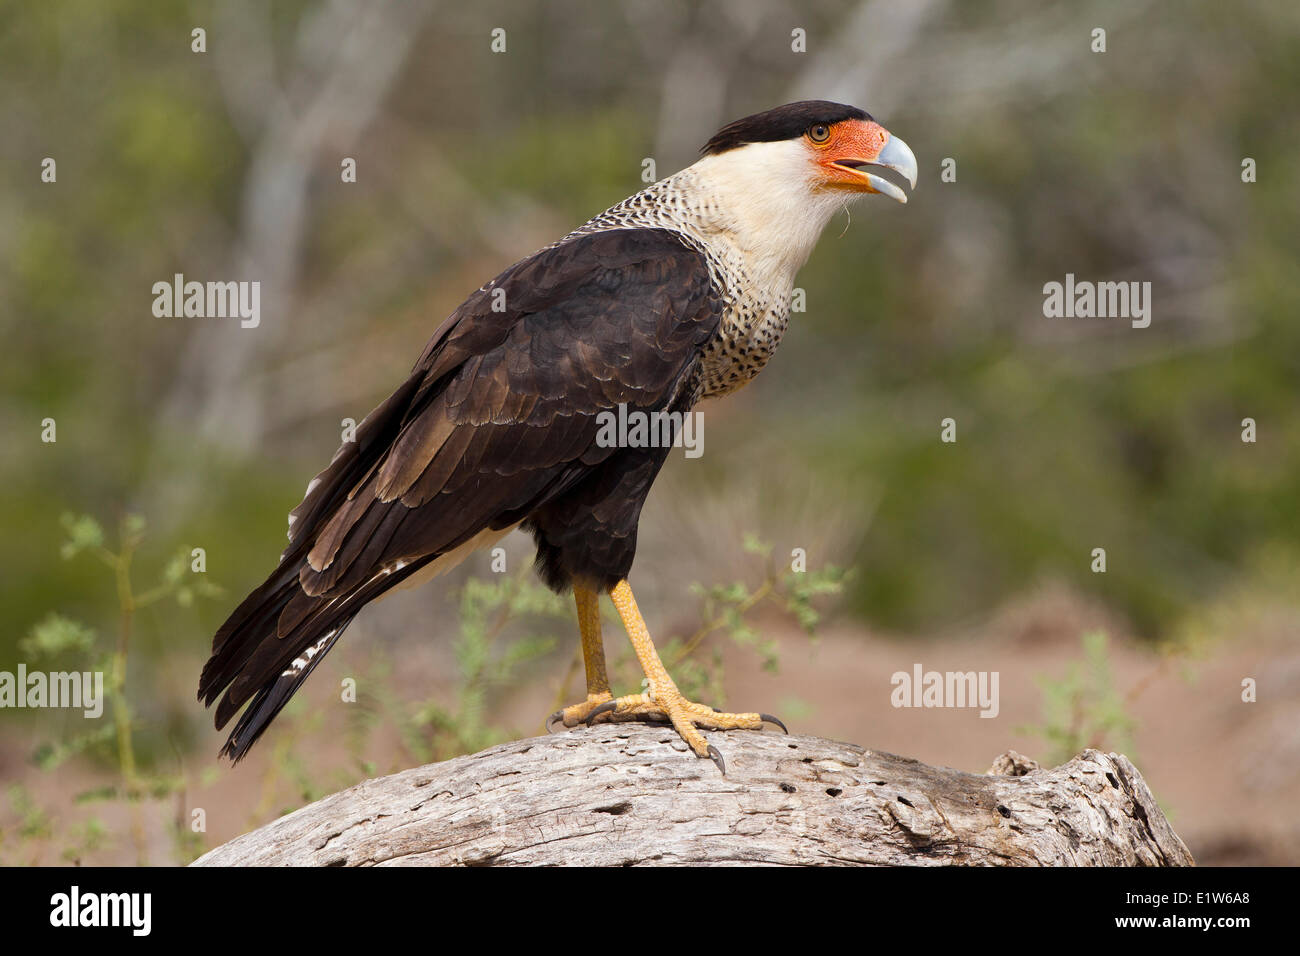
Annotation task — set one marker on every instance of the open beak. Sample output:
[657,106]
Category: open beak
[866,145]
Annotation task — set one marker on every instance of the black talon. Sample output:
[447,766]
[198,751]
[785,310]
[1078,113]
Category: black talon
[552,719]
[717,759]
[604,708]
[769,719]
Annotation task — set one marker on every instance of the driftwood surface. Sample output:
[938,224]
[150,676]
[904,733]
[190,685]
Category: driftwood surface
[619,794]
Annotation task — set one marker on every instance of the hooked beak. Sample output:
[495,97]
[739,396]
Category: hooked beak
[868,144]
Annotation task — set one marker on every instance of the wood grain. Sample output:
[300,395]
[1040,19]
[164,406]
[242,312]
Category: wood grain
[619,795]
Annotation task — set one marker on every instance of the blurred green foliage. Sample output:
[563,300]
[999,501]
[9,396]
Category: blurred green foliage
[1071,435]
[1084,709]
[1068,440]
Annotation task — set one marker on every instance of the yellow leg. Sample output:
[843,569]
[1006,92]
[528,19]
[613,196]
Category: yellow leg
[593,657]
[593,649]
[662,700]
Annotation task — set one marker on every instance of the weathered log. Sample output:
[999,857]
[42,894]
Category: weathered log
[628,794]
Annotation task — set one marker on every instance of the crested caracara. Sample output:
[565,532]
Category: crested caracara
[679,293]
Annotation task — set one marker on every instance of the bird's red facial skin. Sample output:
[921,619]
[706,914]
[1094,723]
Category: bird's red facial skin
[851,142]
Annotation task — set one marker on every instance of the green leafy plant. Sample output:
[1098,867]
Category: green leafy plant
[60,638]
[1083,709]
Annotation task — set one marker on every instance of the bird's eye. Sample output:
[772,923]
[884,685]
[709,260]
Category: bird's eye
[819,133]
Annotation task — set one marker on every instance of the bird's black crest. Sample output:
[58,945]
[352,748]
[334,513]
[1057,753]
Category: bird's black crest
[784,122]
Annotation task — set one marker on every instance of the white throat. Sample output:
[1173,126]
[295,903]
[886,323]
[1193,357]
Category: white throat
[760,198]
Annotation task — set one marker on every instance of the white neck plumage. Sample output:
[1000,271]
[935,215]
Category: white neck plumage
[760,199]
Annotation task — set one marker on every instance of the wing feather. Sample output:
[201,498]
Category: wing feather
[497,420]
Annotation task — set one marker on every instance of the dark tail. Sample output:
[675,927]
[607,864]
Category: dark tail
[279,633]
[273,695]
[271,643]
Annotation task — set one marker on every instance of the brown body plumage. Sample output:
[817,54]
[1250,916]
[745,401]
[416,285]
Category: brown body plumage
[678,293]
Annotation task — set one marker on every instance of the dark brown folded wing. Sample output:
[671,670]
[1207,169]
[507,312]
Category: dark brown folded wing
[498,418]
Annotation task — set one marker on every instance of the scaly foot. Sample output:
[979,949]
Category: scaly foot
[577,714]
[686,717]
